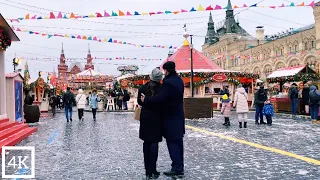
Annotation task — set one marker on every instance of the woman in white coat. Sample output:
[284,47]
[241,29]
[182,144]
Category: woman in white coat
[81,103]
[241,105]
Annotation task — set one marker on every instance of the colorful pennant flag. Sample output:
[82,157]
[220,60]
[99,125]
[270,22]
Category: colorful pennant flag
[90,38]
[135,13]
[97,58]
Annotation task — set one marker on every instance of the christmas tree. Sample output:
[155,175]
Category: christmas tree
[26,76]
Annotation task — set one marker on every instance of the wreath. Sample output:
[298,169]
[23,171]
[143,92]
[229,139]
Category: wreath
[5,40]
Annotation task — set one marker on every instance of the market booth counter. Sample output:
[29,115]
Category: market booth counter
[281,79]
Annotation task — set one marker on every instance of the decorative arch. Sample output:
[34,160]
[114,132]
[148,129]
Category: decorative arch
[281,50]
[267,69]
[309,58]
[295,46]
[279,65]
[256,70]
[294,62]
[290,47]
[247,70]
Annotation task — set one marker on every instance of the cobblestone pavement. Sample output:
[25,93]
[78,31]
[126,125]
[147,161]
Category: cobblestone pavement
[110,149]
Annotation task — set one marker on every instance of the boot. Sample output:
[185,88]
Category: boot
[225,121]
[261,122]
[240,124]
[257,122]
[228,121]
[245,124]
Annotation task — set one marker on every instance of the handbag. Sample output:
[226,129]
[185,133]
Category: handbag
[137,112]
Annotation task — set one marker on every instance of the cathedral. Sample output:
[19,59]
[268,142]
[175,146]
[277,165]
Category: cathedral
[231,47]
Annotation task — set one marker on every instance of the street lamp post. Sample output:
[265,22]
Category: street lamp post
[191,66]
[15,62]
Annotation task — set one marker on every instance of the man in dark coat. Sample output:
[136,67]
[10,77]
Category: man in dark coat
[294,95]
[171,96]
[260,98]
[68,100]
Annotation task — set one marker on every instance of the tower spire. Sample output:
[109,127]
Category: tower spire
[211,36]
[229,5]
[89,48]
[62,51]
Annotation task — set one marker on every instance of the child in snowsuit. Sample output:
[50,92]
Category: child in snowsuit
[225,110]
[268,111]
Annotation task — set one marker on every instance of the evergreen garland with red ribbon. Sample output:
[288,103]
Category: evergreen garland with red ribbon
[5,40]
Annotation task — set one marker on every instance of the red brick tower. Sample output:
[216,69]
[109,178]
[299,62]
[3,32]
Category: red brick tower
[62,67]
[89,60]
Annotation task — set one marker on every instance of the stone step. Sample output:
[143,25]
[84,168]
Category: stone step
[10,131]
[4,120]
[7,125]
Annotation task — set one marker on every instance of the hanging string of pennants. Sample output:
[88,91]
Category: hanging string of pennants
[89,38]
[60,15]
[97,58]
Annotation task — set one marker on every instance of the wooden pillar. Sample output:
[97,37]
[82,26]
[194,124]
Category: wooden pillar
[3,104]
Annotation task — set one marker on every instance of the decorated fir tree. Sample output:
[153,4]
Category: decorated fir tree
[26,76]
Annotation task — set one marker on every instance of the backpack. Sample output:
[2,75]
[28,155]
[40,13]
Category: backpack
[314,98]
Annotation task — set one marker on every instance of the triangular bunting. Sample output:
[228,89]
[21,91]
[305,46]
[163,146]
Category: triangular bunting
[292,4]
[121,13]
[209,8]
[49,36]
[128,13]
[110,40]
[254,5]
[65,17]
[183,10]
[144,13]
[235,7]
[99,15]
[27,16]
[302,4]
[152,13]
[72,15]
[52,15]
[282,5]
[200,8]
[59,15]
[34,17]
[78,37]
[167,12]
[311,4]
[114,14]
[91,16]
[244,5]
[217,7]
[273,7]
[95,38]
[136,13]
[84,37]
[89,38]
[176,12]
[192,9]
[106,14]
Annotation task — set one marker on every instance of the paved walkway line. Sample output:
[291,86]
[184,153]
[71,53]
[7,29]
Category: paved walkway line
[279,151]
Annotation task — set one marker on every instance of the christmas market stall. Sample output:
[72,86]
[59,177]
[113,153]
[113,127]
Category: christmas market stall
[89,79]
[280,82]
[209,78]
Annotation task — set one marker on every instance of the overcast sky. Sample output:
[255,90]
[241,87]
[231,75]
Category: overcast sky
[145,30]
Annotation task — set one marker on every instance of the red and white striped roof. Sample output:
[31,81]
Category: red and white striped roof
[13,75]
[201,63]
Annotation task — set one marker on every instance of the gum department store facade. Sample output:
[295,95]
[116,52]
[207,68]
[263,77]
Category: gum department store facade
[231,47]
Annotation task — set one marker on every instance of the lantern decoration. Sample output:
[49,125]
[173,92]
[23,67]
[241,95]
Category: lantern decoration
[5,40]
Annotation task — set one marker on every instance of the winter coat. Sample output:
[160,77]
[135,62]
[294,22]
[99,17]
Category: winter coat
[241,101]
[68,99]
[151,117]
[260,97]
[81,100]
[314,95]
[305,95]
[93,101]
[268,109]
[171,96]
[293,93]
[225,109]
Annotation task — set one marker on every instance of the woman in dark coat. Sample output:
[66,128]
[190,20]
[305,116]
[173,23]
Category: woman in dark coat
[151,124]
[305,98]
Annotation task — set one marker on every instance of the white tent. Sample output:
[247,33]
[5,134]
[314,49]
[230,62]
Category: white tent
[89,72]
[125,76]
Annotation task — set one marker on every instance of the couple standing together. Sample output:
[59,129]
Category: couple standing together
[162,115]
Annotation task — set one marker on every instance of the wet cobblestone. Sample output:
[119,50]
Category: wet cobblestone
[110,149]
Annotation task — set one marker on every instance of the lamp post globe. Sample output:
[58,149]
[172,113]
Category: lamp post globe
[185,34]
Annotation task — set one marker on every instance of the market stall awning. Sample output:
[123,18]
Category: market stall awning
[288,71]
[89,72]
[125,76]
[293,74]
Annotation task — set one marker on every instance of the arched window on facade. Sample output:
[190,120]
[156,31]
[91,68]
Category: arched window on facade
[280,65]
[267,70]
[296,46]
[281,50]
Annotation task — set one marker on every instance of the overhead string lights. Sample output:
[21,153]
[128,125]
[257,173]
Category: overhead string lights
[117,13]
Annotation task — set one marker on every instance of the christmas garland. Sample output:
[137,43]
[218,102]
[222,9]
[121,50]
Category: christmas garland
[202,75]
[5,40]
[295,78]
[33,85]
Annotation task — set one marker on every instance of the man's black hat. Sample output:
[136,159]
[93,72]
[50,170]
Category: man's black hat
[169,65]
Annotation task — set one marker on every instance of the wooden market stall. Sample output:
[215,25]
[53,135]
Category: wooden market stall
[280,82]
[209,78]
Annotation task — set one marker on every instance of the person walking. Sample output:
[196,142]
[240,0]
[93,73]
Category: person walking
[151,124]
[126,98]
[305,98]
[314,102]
[241,105]
[260,97]
[53,103]
[81,103]
[171,97]
[293,95]
[225,109]
[68,100]
[120,99]
[94,99]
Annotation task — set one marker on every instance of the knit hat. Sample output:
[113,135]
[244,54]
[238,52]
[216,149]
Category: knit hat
[156,75]
[169,65]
